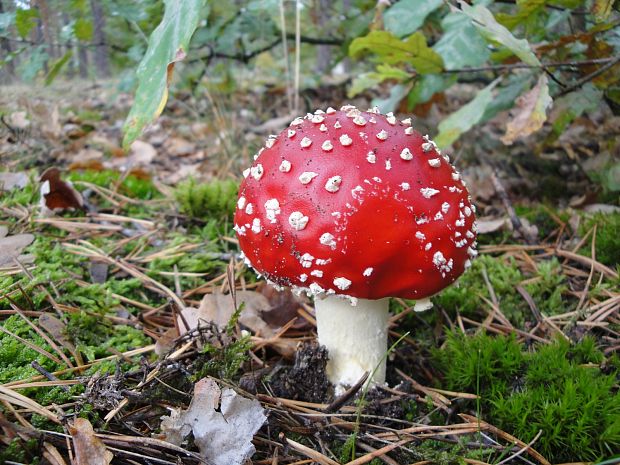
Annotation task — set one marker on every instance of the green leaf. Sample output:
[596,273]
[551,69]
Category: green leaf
[391,50]
[25,20]
[427,86]
[83,29]
[601,9]
[527,10]
[462,120]
[493,31]
[367,80]
[397,93]
[407,16]
[461,44]
[6,20]
[571,106]
[531,112]
[167,45]
[57,67]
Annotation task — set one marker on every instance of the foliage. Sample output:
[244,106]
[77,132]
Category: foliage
[607,245]
[559,389]
[215,199]
[167,45]
[468,295]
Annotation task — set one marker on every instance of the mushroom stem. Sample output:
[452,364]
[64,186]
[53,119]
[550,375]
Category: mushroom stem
[355,337]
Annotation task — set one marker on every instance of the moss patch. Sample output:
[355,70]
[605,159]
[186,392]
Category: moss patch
[558,389]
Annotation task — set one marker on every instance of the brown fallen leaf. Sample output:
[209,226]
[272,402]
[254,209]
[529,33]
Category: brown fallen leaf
[488,225]
[58,195]
[530,112]
[89,450]
[9,181]
[283,306]
[223,423]
[218,308]
[12,246]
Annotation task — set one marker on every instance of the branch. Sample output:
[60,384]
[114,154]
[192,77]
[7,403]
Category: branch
[610,64]
[544,66]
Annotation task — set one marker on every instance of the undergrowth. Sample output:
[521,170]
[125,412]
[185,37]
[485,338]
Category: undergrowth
[559,389]
[215,199]
[607,237]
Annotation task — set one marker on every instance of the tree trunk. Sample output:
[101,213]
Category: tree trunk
[83,61]
[69,47]
[47,27]
[7,72]
[102,61]
[323,52]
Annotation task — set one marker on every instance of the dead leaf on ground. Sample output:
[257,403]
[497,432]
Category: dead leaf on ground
[530,112]
[488,225]
[11,247]
[602,208]
[283,306]
[19,120]
[89,450]
[218,308]
[223,423]
[58,195]
[179,147]
[9,181]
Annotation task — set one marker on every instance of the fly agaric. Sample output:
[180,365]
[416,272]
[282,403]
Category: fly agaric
[354,207]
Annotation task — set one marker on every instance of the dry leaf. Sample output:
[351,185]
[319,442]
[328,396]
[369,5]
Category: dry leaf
[89,450]
[218,308]
[179,147]
[283,306]
[602,208]
[12,246]
[486,226]
[19,120]
[10,181]
[58,195]
[223,423]
[142,153]
[530,113]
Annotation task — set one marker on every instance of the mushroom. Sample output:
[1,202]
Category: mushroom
[352,208]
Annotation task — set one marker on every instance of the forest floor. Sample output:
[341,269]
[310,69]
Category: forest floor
[119,331]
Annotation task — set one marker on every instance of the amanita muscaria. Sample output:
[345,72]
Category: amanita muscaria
[354,207]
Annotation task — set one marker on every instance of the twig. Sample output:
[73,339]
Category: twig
[610,64]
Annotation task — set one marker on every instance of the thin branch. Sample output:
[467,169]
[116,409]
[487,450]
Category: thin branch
[560,64]
[611,63]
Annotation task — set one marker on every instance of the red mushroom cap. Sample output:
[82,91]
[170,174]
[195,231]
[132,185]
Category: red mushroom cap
[355,203]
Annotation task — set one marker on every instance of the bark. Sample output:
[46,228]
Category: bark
[7,72]
[101,58]
[323,52]
[47,27]
[83,61]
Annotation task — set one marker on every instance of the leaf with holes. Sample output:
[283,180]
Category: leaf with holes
[407,16]
[462,120]
[531,112]
[168,45]
[491,30]
[390,50]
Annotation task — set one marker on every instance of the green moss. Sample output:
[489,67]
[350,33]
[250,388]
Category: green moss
[607,237]
[223,361]
[215,199]
[558,389]
[130,186]
[21,451]
[547,287]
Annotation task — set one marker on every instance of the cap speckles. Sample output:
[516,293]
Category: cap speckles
[406,154]
[355,203]
[307,176]
[428,192]
[345,140]
[285,166]
[298,221]
[333,184]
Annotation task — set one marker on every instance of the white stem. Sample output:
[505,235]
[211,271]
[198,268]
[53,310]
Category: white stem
[355,336]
